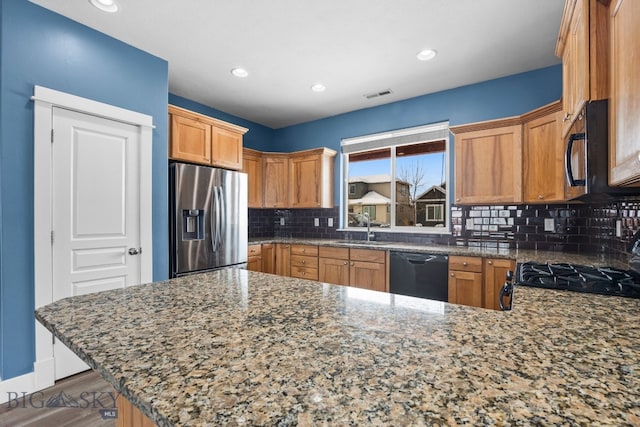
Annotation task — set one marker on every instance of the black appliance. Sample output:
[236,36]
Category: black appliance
[587,157]
[579,278]
[419,275]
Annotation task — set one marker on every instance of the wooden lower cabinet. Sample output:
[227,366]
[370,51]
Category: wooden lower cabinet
[269,258]
[254,258]
[283,259]
[130,416]
[465,287]
[333,265]
[367,269]
[495,274]
[476,281]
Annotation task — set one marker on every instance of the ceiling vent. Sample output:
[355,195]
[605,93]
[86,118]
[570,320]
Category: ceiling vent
[377,94]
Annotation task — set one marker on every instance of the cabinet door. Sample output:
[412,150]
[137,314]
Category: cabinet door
[190,140]
[495,275]
[465,288]
[576,64]
[254,263]
[624,106]
[252,166]
[283,259]
[226,148]
[331,270]
[543,160]
[268,258]
[488,166]
[367,275]
[306,181]
[276,181]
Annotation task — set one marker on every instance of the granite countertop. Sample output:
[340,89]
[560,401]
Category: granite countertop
[245,348]
[520,255]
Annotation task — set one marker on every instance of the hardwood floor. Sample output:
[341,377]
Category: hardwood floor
[76,401]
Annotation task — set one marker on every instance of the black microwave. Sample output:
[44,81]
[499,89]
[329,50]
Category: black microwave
[587,157]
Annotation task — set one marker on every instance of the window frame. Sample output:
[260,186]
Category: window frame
[438,131]
[433,205]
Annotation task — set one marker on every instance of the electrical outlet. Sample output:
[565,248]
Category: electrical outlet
[316,222]
[330,222]
[281,221]
[619,228]
[549,224]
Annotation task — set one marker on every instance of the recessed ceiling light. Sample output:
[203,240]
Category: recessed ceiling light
[105,5]
[427,54]
[239,72]
[318,87]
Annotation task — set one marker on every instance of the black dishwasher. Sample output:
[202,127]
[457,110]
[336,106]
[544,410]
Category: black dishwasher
[419,275]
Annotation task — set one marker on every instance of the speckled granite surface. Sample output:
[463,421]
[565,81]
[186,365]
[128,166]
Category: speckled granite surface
[243,348]
[520,255]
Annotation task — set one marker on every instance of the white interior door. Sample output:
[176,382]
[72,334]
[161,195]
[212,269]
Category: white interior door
[96,211]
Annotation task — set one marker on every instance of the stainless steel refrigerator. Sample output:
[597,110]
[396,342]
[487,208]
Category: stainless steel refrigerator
[208,218]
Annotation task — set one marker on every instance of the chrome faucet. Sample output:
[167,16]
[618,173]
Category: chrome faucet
[369,233]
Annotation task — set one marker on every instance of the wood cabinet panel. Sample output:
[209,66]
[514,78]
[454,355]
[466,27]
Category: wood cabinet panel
[283,259]
[369,255]
[269,258]
[465,263]
[129,415]
[331,252]
[368,275]
[488,166]
[624,106]
[276,181]
[190,140]
[495,275]
[304,272]
[465,287]
[254,258]
[543,159]
[311,179]
[333,270]
[252,166]
[226,149]
[309,250]
[304,261]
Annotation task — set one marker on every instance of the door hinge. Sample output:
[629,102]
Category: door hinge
[53,236]
[52,136]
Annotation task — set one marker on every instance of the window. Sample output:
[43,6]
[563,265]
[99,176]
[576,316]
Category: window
[434,213]
[399,178]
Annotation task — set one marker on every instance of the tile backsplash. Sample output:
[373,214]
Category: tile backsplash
[586,228]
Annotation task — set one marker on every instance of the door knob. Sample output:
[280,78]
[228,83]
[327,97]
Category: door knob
[134,251]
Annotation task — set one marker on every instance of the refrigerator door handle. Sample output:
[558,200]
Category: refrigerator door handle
[218,217]
[212,220]
[223,216]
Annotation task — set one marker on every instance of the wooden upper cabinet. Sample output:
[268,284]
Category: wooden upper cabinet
[543,155]
[190,140]
[226,148]
[624,105]
[311,178]
[276,180]
[582,45]
[197,138]
[488,162]
[252,166]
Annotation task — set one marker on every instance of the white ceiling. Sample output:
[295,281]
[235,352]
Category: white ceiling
[354,47]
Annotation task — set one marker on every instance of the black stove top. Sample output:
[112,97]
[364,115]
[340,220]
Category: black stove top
[579,278]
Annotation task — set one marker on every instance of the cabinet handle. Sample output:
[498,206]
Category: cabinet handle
[304,262]
[458,199]
[540,197]
[452,275]
[352,264]
[566,117]
[465,263]
[490,262]
[345,263]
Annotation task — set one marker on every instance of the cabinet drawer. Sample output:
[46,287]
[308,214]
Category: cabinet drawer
[465,263]
[255,250]
[310,250]
[304,272]
[369,255]
[335,253]
[304,261]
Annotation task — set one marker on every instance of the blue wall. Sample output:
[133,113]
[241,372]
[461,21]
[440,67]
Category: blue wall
[39,47]
[258,137]
[493,99]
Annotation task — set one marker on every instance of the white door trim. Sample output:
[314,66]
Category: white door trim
[44,101]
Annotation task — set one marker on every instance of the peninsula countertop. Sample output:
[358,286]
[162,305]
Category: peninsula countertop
[245,348]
